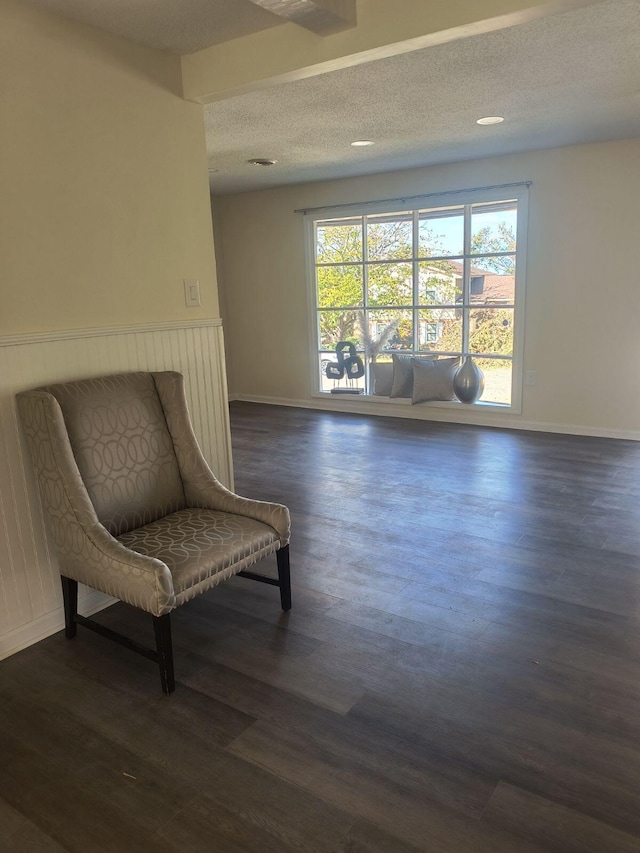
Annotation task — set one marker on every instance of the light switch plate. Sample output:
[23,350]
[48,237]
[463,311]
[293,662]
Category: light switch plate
[191,292]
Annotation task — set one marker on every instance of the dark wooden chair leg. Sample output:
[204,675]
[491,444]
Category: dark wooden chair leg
[284,577]
[70,599]
[162,630]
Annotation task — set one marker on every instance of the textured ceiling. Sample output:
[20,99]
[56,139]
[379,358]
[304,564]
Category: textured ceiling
[180,26]
[561,80]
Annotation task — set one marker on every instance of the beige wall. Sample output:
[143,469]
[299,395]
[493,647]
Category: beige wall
[583,292]
[104,201]
[104,209]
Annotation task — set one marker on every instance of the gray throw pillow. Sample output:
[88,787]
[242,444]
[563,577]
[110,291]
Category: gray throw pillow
[382,378]
[402,385]
[433,380]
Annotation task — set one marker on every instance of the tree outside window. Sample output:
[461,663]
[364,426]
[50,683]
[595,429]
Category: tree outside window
[413,269]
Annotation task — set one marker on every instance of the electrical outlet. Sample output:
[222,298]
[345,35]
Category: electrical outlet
[530,377]
[191,292]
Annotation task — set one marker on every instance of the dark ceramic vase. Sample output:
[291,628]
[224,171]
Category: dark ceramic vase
[468,383]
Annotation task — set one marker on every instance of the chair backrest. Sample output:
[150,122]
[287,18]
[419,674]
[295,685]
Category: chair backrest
[122,446]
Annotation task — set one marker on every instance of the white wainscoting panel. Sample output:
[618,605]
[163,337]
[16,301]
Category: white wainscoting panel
[30,597]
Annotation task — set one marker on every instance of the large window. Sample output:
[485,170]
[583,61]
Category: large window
[443,280]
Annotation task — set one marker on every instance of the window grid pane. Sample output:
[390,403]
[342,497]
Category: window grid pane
[445,279]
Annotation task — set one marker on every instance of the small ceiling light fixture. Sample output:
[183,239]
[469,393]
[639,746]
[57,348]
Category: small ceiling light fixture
[262,161]
[490,120]
[362,143]
[212,170]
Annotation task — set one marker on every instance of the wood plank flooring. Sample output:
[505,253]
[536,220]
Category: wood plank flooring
[460,672]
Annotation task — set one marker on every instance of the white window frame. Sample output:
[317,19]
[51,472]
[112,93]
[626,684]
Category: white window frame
[518,193]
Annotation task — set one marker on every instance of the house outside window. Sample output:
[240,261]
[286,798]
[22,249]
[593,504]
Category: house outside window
[444,279]
[429,333]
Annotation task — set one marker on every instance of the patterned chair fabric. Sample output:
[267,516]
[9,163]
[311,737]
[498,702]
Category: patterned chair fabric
[134,509]
[122,446]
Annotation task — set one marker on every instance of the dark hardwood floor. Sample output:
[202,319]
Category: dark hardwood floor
[460,672]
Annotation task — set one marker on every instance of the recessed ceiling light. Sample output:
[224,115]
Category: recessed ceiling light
[262,161]
[490,120]
[362,143]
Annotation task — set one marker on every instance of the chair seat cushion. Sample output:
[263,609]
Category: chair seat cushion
[201,546]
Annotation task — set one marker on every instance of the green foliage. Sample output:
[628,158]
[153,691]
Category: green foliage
[390,284]
[339,244]
[337,326]
[487,240]
[404,335]
[390,240]
[451,332]
[491,331]
[340,286]
[439,283]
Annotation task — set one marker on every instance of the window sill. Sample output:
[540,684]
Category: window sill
[455,405]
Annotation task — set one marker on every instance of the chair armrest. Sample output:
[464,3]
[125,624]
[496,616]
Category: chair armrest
[109,566]
[201,487]
[86,550]
[207,492]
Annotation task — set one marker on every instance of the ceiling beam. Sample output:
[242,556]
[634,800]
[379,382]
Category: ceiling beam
[322,17]
[288,52]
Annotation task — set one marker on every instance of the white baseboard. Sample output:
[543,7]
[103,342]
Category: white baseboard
[50,623]
[474,418]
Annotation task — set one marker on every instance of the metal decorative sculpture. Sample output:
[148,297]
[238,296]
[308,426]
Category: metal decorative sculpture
[351,366]
[468,383]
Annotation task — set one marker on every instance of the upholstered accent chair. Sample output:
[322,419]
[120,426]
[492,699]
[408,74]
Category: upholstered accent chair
[133,507]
